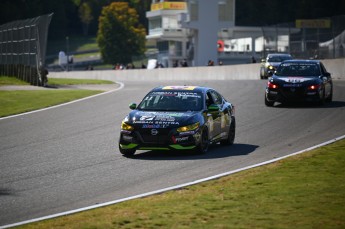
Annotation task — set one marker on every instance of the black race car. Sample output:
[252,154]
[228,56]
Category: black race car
[185,118]
[271,62]
[299,80]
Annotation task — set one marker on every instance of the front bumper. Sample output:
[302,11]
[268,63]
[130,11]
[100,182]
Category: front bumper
[293,95]
[137,140]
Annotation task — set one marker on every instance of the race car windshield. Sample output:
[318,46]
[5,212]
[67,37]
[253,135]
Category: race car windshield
[171,101]
[278,58]
[294,69]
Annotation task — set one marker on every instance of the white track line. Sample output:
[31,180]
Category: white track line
[170,188]
[60,105]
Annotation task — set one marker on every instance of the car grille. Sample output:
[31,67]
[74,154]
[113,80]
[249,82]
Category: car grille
[160,139]
[293,92]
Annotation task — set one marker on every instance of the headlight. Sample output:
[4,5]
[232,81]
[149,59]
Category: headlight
[189,127]
[125,126]
[270,67]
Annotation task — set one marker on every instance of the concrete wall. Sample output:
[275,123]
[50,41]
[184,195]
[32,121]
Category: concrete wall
[336,67]
[236,72]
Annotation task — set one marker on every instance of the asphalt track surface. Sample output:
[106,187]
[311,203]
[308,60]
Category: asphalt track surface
[67,157]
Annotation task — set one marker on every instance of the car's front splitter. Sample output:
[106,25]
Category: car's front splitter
[170,147]
[276,96]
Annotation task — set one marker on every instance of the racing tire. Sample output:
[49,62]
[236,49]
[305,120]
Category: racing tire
[231,135]
[322,99]
[262,74]
[329,98]
[202,147]
[268,103]
[127,152]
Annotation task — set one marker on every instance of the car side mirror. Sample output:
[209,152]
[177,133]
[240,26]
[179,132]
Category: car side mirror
[213,107]
[324,78]
[263,60]
[327,74]
[132,106]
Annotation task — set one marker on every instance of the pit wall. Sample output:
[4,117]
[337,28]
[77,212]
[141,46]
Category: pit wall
[228,72]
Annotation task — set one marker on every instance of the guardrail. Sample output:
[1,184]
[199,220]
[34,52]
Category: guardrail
[226,72]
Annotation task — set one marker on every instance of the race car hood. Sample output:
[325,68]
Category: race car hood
[294,80]
[155,119]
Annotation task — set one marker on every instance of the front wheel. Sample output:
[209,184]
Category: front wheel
[322,100]
[204,143]
[268,103]
[127,152]
[330,97]
[231,135]
[262,73]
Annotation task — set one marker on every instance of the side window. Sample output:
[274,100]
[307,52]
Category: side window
[208,99]
[323,69]
[217,98]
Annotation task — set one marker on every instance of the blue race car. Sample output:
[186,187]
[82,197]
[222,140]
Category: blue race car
[185,118]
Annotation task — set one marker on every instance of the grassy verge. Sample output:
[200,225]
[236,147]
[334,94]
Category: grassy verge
[15,102]
[304,191]
[63,81]
[6,80]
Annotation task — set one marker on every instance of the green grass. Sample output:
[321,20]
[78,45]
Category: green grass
[20,101]
[64,81]
[304,191]
[87,44]
[7,80]
[15,102]
[75,44]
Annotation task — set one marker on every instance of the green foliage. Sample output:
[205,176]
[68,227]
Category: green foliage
[85,14]
[66,20]
[120,36]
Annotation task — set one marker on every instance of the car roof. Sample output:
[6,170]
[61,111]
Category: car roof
[302,61]
[182,88]
[278,54]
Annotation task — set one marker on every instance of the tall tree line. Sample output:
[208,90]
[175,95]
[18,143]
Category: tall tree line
[77,17]
[71,17]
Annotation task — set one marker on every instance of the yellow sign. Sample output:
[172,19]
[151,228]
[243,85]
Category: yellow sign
[169,6]
[179,87]
[311,23]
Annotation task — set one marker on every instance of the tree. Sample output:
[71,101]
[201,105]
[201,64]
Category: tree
[120,36]
[85,15]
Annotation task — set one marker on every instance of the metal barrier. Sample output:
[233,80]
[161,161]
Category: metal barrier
[23,49]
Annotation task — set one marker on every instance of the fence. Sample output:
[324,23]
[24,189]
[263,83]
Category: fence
[308,39]
[23,49]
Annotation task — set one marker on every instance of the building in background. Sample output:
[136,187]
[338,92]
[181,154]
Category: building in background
[166,32]
[197,31]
